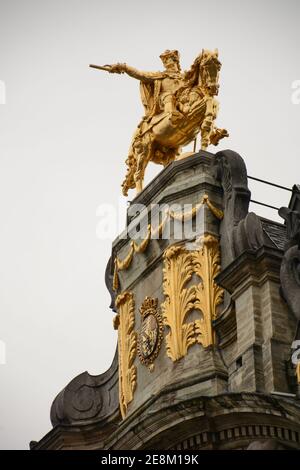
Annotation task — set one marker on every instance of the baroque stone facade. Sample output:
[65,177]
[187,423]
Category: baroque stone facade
[205,323]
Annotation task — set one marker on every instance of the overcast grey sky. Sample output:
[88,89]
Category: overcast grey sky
[64,135]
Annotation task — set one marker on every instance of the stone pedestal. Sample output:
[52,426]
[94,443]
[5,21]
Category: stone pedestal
[204,336]
[186,191]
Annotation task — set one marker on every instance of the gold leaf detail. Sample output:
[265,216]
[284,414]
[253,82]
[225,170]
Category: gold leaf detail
[208,294]
[127,348]
[140,248]
[151,332]
[124,264]
[218,213]
[298,372]
[179,301]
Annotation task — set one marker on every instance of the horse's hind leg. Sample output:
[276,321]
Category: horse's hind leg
[208,123]
[139,174]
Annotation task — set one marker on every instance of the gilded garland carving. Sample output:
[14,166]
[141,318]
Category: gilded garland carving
[127,349]
[179,301]
[209,295]
[179,267]
[151,332]
[120,265]
[218,213]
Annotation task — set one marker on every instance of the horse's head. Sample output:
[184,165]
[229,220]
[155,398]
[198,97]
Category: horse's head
[209,71]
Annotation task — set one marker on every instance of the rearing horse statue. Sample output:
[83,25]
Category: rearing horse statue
[178,106]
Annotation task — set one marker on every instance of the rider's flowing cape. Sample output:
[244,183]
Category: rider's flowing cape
[150,93]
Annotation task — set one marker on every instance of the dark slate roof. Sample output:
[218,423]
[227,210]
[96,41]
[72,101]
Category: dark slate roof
[274,233]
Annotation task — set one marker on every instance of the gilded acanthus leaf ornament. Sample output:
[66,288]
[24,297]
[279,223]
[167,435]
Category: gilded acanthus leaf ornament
[179,300]
[178,106]
[208,294]
[204,297]
[298,372]
[127,349]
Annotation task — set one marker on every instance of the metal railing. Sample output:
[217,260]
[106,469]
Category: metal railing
[285,188]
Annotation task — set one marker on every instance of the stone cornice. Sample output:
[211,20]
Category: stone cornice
[164,177]
[165,423]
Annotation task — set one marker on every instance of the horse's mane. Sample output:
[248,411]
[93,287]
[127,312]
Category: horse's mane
[192,76]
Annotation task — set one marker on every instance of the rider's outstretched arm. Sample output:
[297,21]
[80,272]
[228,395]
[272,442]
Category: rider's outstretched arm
[139,75]
[135,73]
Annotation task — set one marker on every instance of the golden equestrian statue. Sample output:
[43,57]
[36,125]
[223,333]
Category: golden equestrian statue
[178,105]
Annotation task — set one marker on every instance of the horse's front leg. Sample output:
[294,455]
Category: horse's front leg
[139,185]
[207,123]
[139,172]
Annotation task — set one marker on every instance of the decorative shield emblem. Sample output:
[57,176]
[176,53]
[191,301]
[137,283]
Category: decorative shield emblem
[151,332]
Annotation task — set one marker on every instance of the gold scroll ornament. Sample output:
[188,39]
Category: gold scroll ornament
[127,349]
[179,267]
[120,265]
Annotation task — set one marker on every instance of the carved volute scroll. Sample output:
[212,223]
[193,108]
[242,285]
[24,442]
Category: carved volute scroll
[127,348]
[208,295]
[290,266]
[230,170]
[179,300]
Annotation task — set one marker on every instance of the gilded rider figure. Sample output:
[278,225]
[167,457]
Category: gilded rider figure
[157,88]
[158,91]
[177,105]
